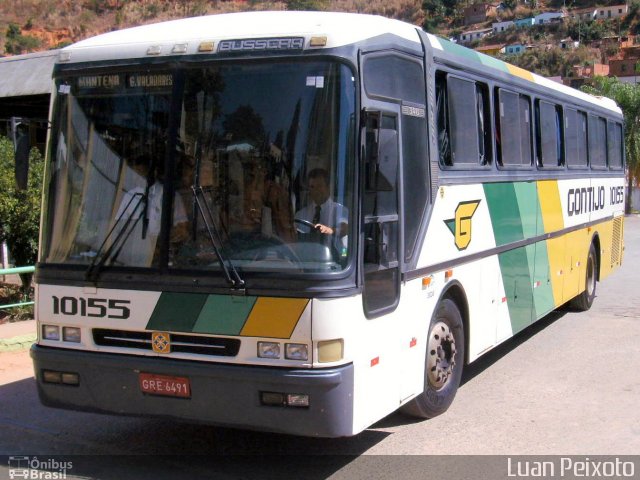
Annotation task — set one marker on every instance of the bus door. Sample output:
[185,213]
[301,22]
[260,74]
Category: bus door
[395,180]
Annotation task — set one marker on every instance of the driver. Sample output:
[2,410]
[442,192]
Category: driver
[328,217]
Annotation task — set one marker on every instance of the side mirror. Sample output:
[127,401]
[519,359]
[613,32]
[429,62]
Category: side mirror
[21,146]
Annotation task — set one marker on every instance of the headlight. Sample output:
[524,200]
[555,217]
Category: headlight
[268,350]
[296,351]
[71,334]
[51,332]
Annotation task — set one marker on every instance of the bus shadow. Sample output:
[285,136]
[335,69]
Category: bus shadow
[106,446]
[488,359]
[474,369]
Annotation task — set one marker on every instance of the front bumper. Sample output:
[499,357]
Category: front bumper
[221,394]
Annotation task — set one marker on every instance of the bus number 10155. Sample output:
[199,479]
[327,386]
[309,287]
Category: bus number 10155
[91,307]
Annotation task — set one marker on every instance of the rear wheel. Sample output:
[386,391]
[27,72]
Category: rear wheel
[584,301]
[443,363]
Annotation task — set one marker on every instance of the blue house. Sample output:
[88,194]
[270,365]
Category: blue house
[525,22]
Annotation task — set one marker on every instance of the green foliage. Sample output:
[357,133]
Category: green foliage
[308,5]
[553,62]
[20,210]
[16,43]
[587,32]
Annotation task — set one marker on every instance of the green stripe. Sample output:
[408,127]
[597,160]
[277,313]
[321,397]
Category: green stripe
[543,294]
[176,312]
[516,277]
[504,212]
[224,314]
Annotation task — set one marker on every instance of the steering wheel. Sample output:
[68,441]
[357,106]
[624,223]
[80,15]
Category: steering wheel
[306,223]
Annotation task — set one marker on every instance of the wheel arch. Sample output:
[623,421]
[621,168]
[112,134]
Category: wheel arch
[455,292]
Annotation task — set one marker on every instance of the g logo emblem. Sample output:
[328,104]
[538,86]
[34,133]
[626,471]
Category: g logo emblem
[460,226]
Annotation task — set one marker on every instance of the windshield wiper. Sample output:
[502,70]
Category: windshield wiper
[230,272]
[121,237]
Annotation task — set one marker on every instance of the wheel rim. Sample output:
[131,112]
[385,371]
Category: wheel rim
[441,355]
[591,276]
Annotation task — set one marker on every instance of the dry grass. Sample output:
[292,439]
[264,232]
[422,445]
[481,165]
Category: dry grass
[82,19]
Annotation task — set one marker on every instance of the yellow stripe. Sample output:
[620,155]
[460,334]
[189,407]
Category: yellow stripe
[274,317]
[549,197]
[520,72]
[553,221]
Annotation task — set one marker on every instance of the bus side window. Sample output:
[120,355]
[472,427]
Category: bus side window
[444,143]
[514,124]
[597,142]
[464,137]
[575,133]
[549,134]
[614,145]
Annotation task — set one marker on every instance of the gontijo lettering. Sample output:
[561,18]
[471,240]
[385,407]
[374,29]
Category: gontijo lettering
[592,199]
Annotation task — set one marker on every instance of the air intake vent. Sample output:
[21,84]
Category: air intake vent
[616,243]
[219,347]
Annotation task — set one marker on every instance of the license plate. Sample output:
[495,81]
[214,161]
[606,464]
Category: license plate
[165,385]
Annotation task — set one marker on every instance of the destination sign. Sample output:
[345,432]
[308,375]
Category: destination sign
[261,44]
[125,81]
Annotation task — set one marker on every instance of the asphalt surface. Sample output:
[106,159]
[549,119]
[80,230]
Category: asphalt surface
[569,385]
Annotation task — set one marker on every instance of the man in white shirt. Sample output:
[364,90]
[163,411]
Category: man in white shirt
[327,216]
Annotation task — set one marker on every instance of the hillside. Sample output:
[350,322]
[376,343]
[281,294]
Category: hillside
[34,25]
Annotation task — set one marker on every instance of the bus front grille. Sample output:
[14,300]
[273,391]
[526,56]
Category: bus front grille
[180,343]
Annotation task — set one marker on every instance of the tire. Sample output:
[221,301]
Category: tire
[583,302]
[443,363]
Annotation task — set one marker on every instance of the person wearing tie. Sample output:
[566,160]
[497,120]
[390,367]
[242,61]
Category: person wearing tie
[327,216]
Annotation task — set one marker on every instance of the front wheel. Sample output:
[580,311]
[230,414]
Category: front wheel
[443,363]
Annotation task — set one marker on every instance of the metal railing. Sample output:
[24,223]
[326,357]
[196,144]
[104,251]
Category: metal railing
[17,271]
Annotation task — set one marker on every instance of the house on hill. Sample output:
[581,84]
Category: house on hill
[492,50]
[473,35]
[478,13]
[525,22]
[613,11]
[549,17]
[499,27]
[568,44]
[584,14]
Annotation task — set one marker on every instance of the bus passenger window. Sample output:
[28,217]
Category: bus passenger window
[514,124]
[464,137]
[549,135]
[597,142]
[614,145]
[444,145]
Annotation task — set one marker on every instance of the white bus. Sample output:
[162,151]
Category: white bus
[300,222]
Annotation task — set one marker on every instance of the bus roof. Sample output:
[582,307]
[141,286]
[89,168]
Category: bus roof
[339,29]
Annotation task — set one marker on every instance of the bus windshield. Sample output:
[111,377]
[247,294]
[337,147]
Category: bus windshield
[246,163]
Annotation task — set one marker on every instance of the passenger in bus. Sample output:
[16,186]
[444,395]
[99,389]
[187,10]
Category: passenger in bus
[327,216]
[142,179]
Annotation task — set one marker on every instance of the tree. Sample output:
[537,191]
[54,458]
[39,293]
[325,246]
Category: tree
[20,210]
[627,96]
[16,43]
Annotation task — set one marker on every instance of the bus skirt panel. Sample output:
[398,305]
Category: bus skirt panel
[225,395]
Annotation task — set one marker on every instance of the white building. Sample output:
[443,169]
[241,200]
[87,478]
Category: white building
[549,17]
[473,35]
[614,11]
[499,27]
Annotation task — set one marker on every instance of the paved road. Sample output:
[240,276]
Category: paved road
[569,385]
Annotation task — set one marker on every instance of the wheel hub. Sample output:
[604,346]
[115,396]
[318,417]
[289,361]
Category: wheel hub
[441,355]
